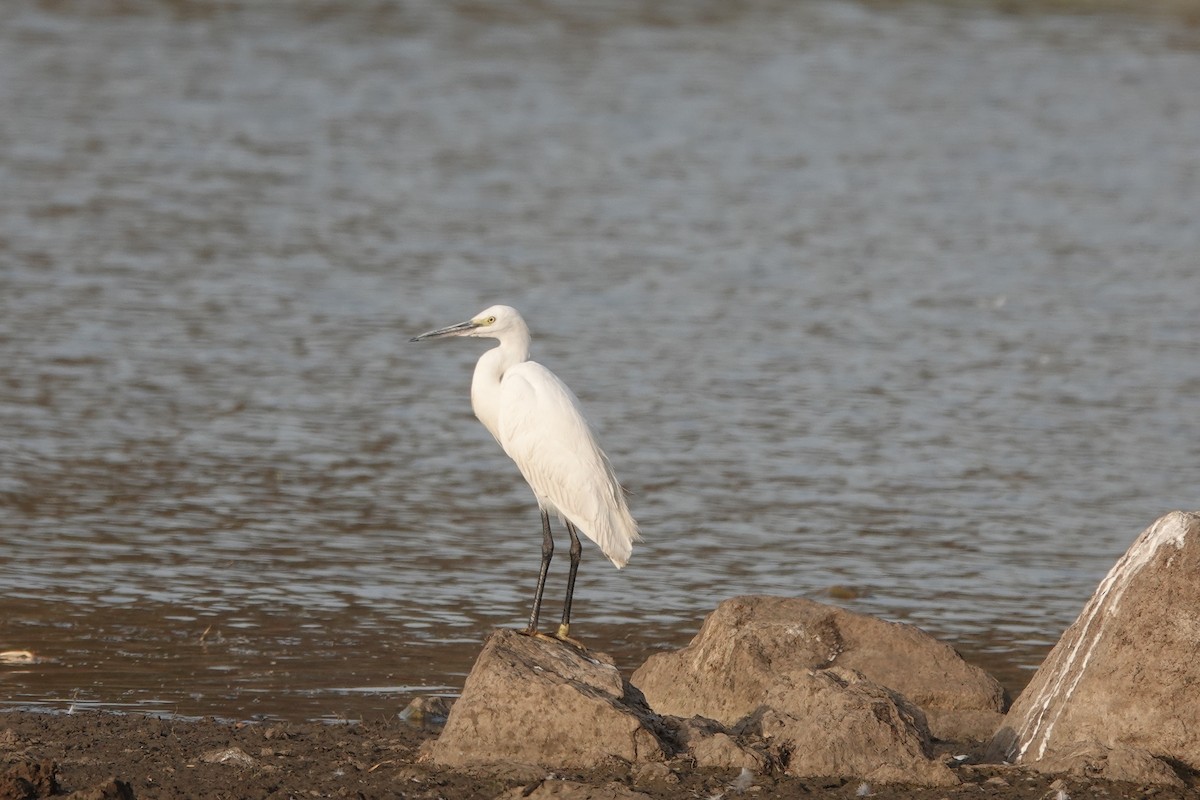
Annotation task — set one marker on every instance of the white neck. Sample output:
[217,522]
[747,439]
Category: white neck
[489,370]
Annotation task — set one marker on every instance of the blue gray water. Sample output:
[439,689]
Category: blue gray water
[894,307]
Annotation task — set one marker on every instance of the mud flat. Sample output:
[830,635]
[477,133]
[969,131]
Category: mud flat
[100,755]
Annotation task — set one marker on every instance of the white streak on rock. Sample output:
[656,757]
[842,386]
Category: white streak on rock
[1052,700]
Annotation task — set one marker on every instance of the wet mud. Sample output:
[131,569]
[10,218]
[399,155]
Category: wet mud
[105,755]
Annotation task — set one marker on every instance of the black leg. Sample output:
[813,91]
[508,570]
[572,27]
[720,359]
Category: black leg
[547,554]
[564,629]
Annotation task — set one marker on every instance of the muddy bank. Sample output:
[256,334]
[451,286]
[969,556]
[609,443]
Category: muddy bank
[161,758]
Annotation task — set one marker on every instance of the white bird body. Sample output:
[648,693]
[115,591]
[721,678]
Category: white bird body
[569,474]
[537,420]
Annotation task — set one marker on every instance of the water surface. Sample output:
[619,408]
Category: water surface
[890,307]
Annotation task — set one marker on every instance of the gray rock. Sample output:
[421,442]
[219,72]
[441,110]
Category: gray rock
[541,702]
[1124,675]
[748,641]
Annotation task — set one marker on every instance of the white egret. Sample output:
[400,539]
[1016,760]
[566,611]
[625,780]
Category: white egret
[538,422]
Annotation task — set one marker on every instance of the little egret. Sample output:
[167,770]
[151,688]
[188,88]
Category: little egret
[537,420]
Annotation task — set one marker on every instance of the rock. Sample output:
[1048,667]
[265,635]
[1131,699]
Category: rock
[427,713]
[541,702]
[29,779]
[962,725]
[17,657]
[1124,675]
[654,772]
[837,723]
[1095,761]
[570,790]
[721,751]
[748,641]
[709,744]
[16,788]
[234,756]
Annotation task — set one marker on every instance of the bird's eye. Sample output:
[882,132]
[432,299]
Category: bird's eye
[490,321]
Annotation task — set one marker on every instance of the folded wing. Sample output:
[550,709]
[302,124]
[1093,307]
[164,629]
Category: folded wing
[542,429]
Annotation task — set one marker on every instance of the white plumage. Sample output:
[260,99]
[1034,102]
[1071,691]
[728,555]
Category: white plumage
[536,418]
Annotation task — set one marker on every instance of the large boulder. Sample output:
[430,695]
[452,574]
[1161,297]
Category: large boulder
[1121,686]
[541,702]
[748,642]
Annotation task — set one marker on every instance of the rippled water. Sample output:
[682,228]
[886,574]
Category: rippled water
[895,308]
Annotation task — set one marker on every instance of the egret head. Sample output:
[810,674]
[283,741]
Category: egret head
[493,323]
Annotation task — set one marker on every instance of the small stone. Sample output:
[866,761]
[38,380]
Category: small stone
[654,772]
[230,755]
[276,732]
[427,713]
[17,657]
[720,750]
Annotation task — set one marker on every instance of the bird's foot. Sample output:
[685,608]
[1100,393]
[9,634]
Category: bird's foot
[563,634]
[534,633]
[560,637]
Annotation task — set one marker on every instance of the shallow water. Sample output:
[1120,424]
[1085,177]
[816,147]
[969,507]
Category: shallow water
[893,308]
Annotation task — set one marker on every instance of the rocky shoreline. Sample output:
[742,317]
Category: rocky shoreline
[775,697]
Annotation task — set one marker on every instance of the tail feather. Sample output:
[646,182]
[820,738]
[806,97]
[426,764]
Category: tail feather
[616,536]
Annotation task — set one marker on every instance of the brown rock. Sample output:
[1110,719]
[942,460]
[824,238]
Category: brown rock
[1124,675]
[16,788]
[748,641]
[837,723]
[429,713]
[1097,762]
[960,725]
[709,744]
[29,779]
[654,772]
[234,756]
[541,702]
